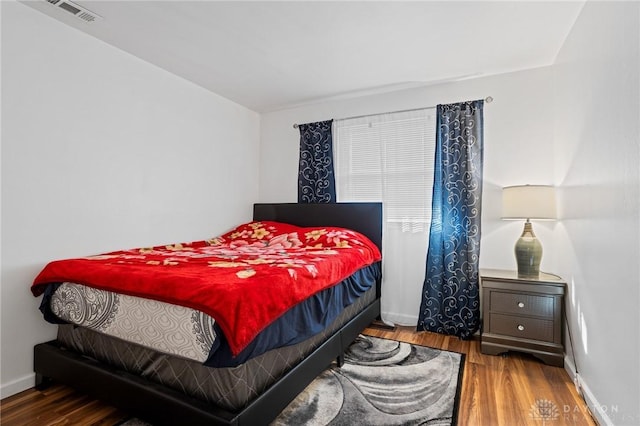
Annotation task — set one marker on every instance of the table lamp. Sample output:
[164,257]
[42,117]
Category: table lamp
[528,202]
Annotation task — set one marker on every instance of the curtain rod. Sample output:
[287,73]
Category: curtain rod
[488,100]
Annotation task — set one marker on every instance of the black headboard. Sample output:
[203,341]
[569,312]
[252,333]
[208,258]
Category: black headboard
[365,218]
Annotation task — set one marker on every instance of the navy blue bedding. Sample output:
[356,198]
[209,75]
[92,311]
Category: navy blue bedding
[300,322]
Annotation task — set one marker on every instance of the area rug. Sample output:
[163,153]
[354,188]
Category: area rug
[382,382]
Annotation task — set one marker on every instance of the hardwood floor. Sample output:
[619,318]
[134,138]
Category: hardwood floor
[496,390]
[505,390]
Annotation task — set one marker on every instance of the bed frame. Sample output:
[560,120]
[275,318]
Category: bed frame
[160,405]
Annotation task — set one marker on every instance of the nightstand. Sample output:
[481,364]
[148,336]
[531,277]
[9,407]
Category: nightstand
[522,314]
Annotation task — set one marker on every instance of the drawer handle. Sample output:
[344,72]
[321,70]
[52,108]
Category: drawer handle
[520,327]
[520,304]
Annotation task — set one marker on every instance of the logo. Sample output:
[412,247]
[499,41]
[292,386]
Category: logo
[544,410]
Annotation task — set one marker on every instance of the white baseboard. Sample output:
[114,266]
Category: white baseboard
[18,385]
[596,409]
[600,414]
[570,368]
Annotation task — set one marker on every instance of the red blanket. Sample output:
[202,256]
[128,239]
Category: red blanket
[244,279]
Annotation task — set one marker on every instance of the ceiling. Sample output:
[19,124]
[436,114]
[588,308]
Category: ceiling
[274,55]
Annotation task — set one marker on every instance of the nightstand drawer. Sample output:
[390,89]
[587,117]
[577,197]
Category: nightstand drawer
[526,328]
[522,304]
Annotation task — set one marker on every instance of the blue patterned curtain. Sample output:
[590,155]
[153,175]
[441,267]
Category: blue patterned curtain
[450,296]
[316,179]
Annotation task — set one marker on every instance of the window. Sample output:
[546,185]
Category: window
[390,158]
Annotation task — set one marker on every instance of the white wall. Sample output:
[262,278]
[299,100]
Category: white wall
[102,151]
[597,162]
[518,146]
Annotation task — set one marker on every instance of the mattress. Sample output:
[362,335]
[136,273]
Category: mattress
[231,388]
[164,327]
[191,334]
[244,280]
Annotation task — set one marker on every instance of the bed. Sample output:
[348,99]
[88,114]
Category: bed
[93,362]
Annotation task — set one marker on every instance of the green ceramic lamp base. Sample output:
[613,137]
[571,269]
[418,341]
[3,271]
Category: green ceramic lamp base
[528,252]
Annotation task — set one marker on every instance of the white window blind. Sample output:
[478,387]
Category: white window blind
[388,158]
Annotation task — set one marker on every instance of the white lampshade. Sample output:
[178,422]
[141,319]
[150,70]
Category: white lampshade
[528,202]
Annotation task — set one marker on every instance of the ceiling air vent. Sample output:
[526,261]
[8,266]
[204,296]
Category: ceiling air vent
[77,11]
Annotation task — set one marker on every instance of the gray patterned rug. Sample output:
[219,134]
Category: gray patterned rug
[383,382]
